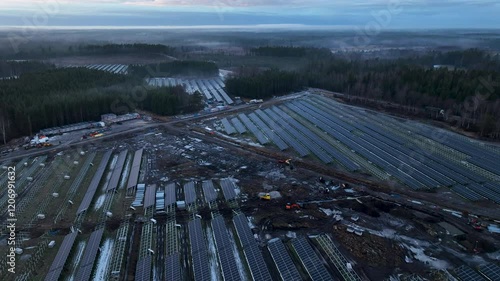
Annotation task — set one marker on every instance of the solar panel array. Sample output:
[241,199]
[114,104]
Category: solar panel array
[228,189]
[136,166]
[310,260]
[465,273]
[189,193]
[316,144]
[173,267]
[149,196]
[61,257]
[228,127]
[87,199]
[218,85]
[238,125]
[209,191]
[170,198]
[199,251]
[253,255]
[491,271]
[143,269]
[281,131]
[224,250]
[117,171]
[271,135]
[88,259]
[283,261]
[255,131]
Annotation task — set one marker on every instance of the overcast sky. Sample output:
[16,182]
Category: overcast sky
[388,14]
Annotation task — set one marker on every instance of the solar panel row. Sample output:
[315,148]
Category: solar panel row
[143,269]
[255,131]
[310,260]
[238,125]
[228,127]
[491,271]
[253,255]
[465,273]
[173,267]
[61,257]
[189,193]
[228,189]
[209,191]
[199,252]
[136,166]
[270,134]
[117,171]
[149,196]
[87,199]
[281,131]
[224,250]
[170,198]
[315,141]
[89,255]
[283,261]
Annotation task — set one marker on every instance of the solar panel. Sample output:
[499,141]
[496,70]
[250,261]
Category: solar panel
[173,267]
[310,260]
[170,197]
[117,171]
[238,125]
[255,131]
[465,273]
[209,191]
[61,257]
[283,261]
[491,271]
[270,134]
[87,262]
[199,251]
[228,127]
[243,230]
[87,199]
[149,197]
[143,269]
[189,193]
[136,166]
[224,250]
[228,189]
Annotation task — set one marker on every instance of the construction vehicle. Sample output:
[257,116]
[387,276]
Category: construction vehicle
[266,197]
[475,223]
[290,206]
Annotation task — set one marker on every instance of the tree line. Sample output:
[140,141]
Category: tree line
[175,68]
[64,96]
[469,96]
[11,68]
[111,49]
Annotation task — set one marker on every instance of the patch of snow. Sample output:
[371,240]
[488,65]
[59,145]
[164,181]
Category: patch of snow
[291,234]
[76,259]
[103,260]
[99,202]
[349,190]
[125,173]
[250,222]
[237,258]
[328,212]
[214,266]
[433,262]
[254,144]
[493,228]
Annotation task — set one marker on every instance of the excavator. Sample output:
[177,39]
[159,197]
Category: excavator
[265,197]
